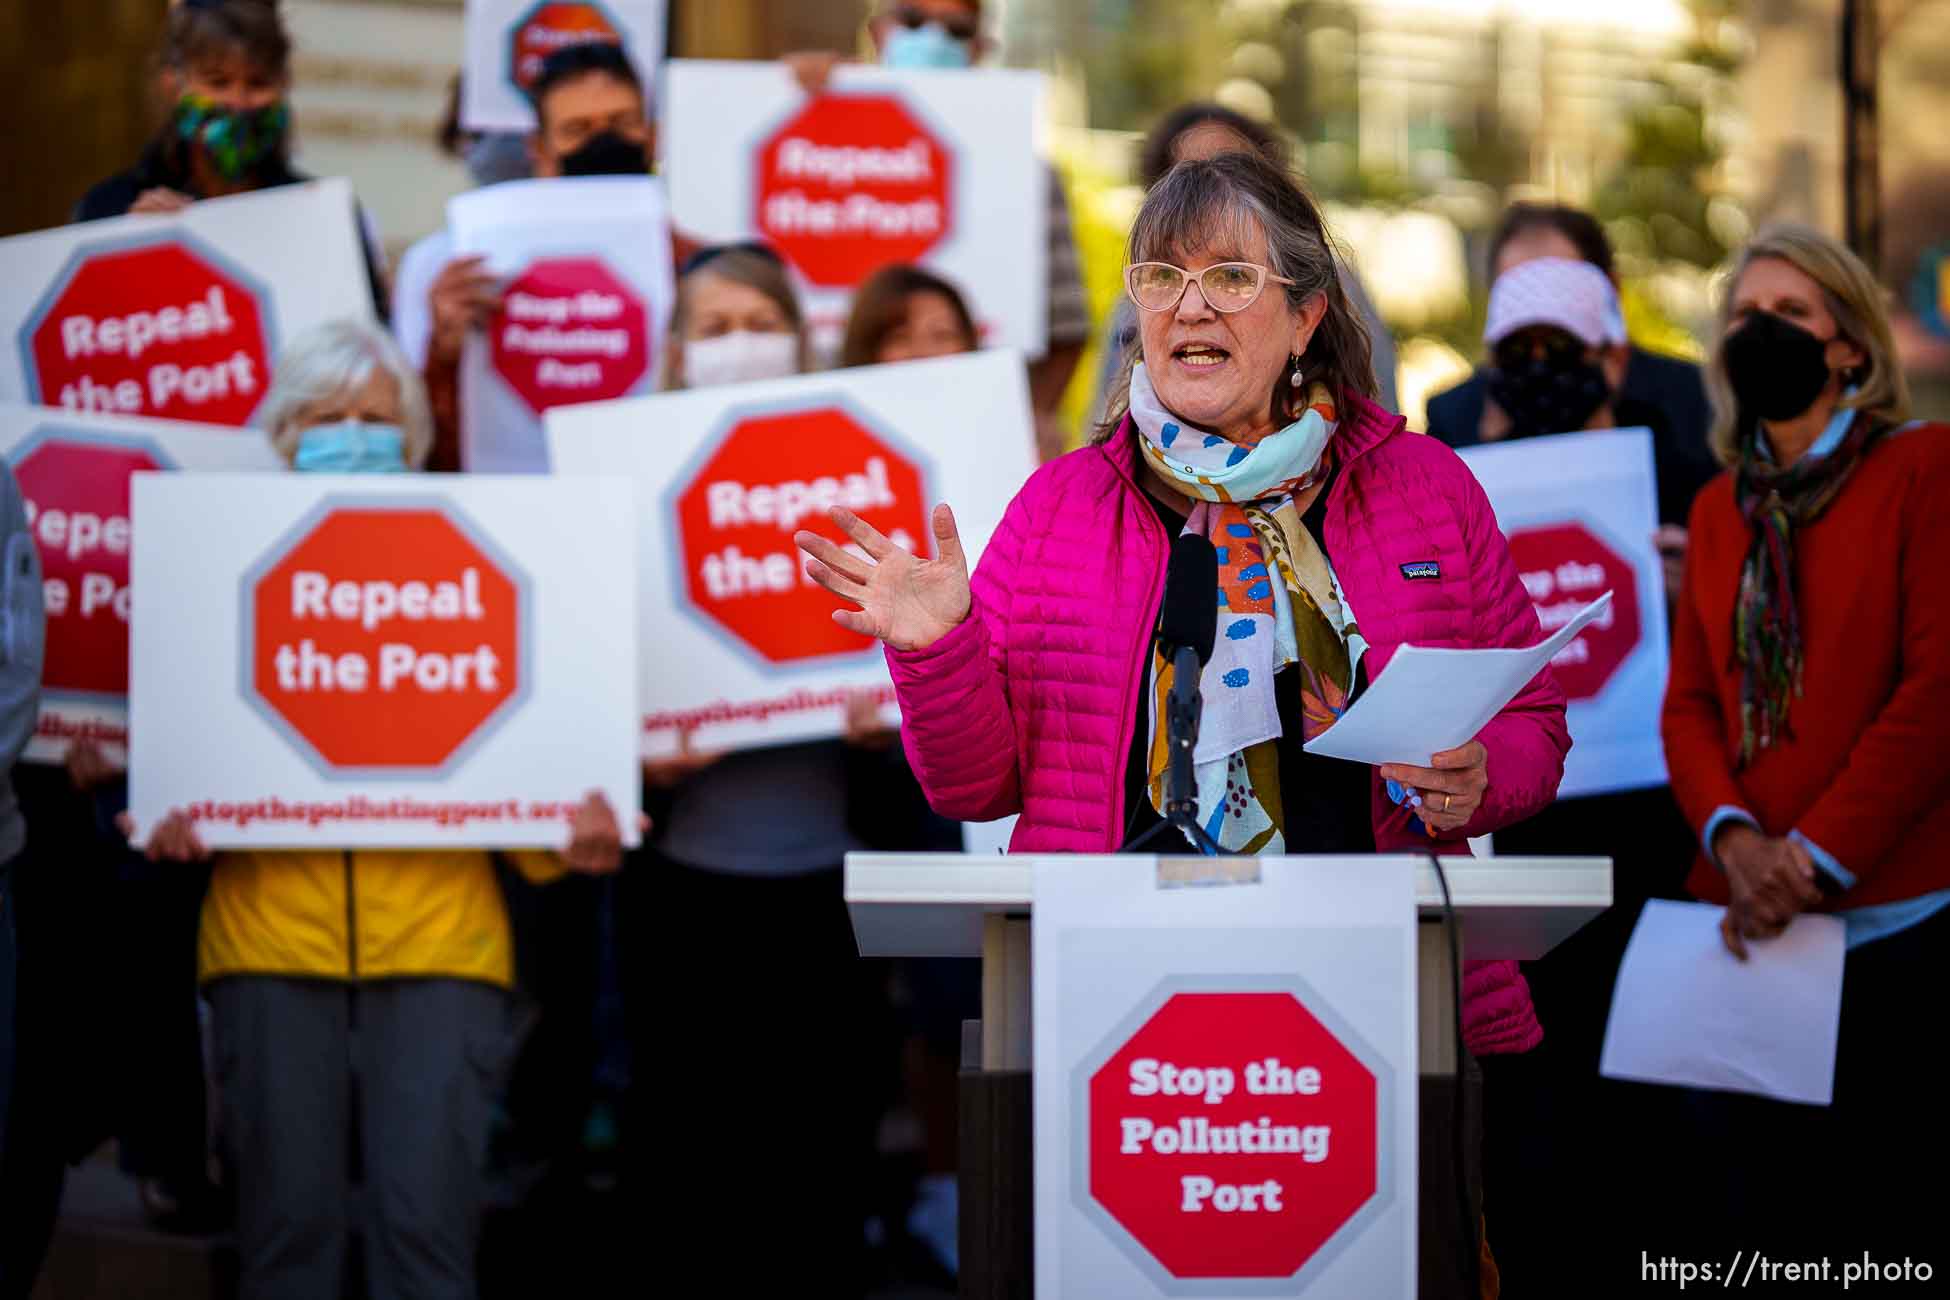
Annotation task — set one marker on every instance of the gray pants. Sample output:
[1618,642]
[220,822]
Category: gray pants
[422,1057]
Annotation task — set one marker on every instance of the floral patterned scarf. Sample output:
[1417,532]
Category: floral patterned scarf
[1280,606]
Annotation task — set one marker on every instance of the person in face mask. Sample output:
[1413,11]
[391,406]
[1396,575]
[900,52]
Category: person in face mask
[344,401]
[1804,728]
[920,34]
[380,975]
[590,120]
[735,320]
[226,75]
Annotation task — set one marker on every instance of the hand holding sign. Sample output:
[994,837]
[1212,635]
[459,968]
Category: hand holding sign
[908,602]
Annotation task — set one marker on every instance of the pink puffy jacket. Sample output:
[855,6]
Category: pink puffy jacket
[1029,705]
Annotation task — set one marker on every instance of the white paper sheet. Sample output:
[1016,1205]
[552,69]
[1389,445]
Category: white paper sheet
[1686,1011]
[1428,700]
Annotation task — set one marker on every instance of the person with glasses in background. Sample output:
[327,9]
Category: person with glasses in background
[590,120]
[1359,538]
[947,34]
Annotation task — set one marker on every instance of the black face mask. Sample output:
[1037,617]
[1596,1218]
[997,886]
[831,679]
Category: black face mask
[1777,369]
[608,154]
[1546,395]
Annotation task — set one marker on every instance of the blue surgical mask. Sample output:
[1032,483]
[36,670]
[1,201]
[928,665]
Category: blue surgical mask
[926,46]
[352,447]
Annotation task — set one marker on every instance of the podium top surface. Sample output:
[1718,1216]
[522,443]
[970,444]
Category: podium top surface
[933,904]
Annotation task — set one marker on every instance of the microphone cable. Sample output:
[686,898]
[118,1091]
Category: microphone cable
[1472,1242]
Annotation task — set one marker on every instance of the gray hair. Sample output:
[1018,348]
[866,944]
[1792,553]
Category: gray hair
[1227,200]
[329,359]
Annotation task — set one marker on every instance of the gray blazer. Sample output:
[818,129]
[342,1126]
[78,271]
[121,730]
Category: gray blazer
[23,642]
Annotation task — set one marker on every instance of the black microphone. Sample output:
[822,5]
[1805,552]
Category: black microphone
[1187,628]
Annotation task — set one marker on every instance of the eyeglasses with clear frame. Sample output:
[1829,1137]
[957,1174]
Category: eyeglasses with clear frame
[1226,286]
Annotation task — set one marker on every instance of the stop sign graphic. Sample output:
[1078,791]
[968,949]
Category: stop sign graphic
[764,477]
[851,183]
[547,28]
[76,489]
[385,636]
[570,330]
[1565,567]
[160,328]
[1231,1135]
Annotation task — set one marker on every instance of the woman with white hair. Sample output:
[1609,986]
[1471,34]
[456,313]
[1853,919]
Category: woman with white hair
[377,974]
[344,400]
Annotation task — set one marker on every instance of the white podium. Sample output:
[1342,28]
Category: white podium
[957,905]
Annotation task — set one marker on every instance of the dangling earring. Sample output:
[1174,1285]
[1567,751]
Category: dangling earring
[1299,376]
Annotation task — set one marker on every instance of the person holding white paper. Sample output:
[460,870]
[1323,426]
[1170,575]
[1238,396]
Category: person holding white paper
[590,120]
[1342,538]
[1804,723]
[371,973]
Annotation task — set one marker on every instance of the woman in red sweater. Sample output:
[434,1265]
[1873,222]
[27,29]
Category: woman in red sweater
[1805,719]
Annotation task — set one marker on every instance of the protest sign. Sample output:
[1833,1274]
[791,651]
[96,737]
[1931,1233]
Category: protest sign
[739,645]
[584,307]
[74,472]
[178,317]
[1579,510]
[1234,1111]
[941,169]
[381,660]
[507,41]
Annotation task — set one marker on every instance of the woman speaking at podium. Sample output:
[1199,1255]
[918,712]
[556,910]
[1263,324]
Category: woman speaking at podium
[1037,688]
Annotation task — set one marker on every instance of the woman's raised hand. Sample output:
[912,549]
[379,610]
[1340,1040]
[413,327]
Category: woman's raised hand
[908,602]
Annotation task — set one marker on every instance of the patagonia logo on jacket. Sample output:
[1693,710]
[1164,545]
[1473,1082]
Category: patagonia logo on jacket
[1422,569]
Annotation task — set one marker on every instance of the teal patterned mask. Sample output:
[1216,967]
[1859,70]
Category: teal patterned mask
[234,141]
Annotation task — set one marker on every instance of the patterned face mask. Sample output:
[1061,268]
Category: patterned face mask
[234,141]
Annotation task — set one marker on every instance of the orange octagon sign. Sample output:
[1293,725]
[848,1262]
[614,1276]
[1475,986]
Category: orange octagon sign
[385,636]
[768,472]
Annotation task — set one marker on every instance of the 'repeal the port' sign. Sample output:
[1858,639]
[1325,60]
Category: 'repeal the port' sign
[1579,510]
[389,660]
[74,473]
[939,169]
[851,183]
[177,317]
[583,310]
[508,41]
[748,649]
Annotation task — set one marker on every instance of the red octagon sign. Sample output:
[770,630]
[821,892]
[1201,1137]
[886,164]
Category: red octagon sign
[547,28]
[770,475]
[851,183]
[76,489]
[1232,1135]
[570,330]
[384,637]
[163,329]
[1565,567]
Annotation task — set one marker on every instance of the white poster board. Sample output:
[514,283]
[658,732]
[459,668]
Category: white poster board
[943,169]
[1579,510]
[584,307]
[74,473]
[507,40]
[405,660]
[1225,1079]
[739,645]
[179,317]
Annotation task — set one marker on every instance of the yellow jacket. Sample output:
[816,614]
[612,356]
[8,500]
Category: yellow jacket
[362,914]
